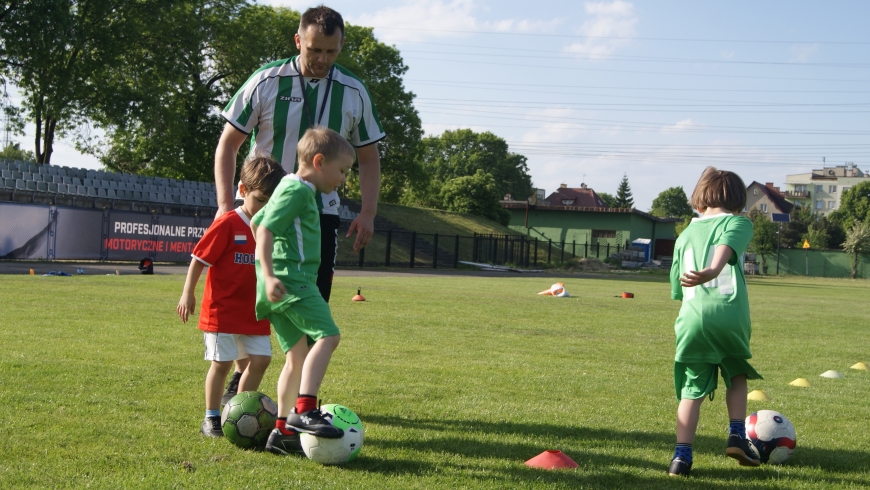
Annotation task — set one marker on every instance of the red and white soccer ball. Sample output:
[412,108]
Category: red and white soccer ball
[771,436]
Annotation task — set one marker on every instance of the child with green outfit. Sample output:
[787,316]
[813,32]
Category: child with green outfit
[713,327]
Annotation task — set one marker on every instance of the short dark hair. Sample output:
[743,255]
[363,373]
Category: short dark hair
[326,20]
[719,189]
[261,172]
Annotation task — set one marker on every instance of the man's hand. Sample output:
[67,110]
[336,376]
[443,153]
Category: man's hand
[275,289]
[364,227]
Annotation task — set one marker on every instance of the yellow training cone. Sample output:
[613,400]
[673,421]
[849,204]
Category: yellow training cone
[802,382]
[758,396]
[861,366]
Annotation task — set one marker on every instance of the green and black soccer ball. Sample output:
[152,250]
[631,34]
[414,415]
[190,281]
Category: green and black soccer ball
[248,418]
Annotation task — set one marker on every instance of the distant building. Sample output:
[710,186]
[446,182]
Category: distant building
[582,197]
[821,189]
[767,199]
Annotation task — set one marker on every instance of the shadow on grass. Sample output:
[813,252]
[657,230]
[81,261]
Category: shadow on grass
[600,466]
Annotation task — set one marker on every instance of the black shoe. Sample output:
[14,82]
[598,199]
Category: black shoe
[312,422]
[679,467]
[738,448]
[232,388]
[279,443]
[211,427]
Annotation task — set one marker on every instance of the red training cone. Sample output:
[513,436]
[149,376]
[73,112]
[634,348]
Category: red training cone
[551,459]
[358,296]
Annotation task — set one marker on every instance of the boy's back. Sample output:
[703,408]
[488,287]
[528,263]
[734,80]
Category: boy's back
[294,219]
[714,318]
[230,289]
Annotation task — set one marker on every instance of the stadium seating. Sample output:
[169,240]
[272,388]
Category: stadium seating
[20,176]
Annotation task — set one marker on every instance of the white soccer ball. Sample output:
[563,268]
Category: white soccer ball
[335,451]
[332,451]
[771,436]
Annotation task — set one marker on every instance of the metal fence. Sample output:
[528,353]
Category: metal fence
[400,248]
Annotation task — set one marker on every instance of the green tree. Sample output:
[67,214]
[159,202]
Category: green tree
[801,217]
[763,236]
[679,227]
[462,152]
[608,199]
[13,151]
[817,236]
[623,194]
[857,241]
[381,68]
[671,202]
[854,205]
[474,194]
[54,51]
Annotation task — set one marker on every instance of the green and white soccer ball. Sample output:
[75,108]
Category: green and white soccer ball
[248,418]
[336,451]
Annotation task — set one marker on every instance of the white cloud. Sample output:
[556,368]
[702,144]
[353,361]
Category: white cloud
[440,19]
[800,53]
[727,54]
[610,27]
[682,126]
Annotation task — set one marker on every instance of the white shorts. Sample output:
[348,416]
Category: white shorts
[230,346]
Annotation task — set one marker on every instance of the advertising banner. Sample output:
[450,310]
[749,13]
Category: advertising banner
[134,236]
[24,231]
[78,233]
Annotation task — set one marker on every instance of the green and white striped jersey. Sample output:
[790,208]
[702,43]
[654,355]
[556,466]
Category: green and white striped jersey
[270,107]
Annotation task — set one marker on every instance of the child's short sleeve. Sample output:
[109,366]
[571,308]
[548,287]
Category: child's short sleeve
[280,212]
[737,235]
[214,241]
[243,110]
[676,287]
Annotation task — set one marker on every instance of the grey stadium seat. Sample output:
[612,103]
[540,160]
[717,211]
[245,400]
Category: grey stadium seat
[62,189]
[100,192]
[42,186]
[110,193]
[6,174]
[76,181]
[10,183]
[26,176]
[81,190]
[19,184]
[31,185]
[52,187]
[92,191]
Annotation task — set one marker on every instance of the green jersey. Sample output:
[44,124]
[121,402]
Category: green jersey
[272,107]
[292,216]
[714,319]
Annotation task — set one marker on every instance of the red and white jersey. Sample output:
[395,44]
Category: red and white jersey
[227,249]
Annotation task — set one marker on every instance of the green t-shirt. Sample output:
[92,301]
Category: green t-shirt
[714,320]
[292,216]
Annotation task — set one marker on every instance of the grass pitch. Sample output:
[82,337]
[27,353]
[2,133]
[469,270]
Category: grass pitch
[458,381]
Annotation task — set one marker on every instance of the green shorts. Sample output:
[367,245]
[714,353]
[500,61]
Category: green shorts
[693,380]
[309,316]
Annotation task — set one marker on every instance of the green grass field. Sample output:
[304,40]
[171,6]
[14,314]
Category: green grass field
[458,381]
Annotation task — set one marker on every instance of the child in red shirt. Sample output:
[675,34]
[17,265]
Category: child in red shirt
[227,317]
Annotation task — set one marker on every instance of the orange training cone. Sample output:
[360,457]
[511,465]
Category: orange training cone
[358,296]
[551,459]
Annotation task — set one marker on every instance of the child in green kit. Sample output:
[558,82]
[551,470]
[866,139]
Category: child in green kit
[713,327]
[287,232]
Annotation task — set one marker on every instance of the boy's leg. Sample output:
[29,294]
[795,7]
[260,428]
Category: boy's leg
[214,384]
[233,384]
[259,354]
[688,414]
[316,364]
[283,440]
[738,445]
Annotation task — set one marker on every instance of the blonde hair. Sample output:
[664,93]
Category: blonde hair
[719,189]
[324,141]
[261,172]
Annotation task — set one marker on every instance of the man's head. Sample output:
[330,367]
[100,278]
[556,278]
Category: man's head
[719,189]
[319,40]
[258,179]
[324,158]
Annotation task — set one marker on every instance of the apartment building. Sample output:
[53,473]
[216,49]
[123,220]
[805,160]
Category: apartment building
[821,189]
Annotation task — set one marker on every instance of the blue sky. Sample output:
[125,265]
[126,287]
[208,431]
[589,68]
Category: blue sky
[590,91]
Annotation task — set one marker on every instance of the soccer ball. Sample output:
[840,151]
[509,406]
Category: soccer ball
[336,451]
[248,418]
[771,436]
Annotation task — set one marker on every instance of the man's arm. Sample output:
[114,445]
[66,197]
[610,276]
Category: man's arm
[225,166]
[369,188]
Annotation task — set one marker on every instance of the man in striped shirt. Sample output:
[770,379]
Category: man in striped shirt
[281,100]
